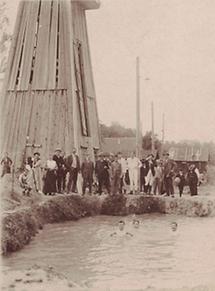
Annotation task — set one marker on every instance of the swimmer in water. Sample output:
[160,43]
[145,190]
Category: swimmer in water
[174,226]
[121,225]
[136,223]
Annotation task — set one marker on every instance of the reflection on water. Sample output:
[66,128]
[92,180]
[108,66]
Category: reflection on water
[155,256]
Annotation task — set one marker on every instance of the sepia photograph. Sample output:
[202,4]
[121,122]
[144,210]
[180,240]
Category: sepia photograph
[107,145]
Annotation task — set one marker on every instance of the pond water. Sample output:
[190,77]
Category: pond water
[155,256]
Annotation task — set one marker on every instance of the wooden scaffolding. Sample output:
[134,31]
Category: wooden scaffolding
[49,97]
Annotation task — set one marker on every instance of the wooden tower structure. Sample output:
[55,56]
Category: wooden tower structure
[49,96]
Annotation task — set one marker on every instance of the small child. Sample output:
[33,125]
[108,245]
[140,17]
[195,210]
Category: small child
[181,182]
[23,179]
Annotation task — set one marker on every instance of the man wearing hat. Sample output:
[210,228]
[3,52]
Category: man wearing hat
[73,165]
[60,169]
[169,167]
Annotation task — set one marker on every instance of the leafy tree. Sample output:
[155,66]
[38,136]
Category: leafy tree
[116,130]
[147,141]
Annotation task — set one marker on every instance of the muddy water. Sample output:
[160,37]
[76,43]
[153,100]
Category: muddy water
[155,256]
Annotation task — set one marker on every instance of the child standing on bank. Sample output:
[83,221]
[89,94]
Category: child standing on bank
[181,182]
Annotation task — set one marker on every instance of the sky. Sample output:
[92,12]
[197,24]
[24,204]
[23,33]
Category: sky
[175,41]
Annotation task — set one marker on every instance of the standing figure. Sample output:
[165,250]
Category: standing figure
[133,168]
[60,171]
[181,182]
[143,173]
[158,178]
[6,163]
[124,166]
[87,169]
[169,167]
[50,176]
[102,174]
[150,173]
[115,175]
[64,171]
[73,165]
[37,172]
[192,180]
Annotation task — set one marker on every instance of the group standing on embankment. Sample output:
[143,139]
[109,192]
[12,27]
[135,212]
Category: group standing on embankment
[112,174]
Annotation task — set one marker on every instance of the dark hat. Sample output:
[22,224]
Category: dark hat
[37,153]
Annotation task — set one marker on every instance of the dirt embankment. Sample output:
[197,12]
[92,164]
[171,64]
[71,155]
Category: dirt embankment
[40,279]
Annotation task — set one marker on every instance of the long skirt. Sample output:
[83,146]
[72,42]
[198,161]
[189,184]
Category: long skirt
[50,182]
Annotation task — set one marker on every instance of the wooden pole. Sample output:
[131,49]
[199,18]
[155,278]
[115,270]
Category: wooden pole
[138,107]
[163,134]
[153,137]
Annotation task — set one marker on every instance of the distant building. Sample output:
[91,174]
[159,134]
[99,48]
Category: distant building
[185,155]
[126,145]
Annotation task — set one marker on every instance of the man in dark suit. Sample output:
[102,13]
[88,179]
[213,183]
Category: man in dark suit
[169,168]
[102,174]
[73,166]
[87,169]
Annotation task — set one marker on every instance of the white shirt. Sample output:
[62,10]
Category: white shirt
[74,161]
[51,164]
[124,165]
[133,163]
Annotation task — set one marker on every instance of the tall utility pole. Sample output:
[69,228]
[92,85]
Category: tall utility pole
[138,107]
[153,134]
[163,134]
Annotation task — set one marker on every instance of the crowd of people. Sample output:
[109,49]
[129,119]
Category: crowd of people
[114,174]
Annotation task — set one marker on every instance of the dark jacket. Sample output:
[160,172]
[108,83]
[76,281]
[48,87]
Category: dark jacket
[150,166]
[192,177]
[182,179]
[69,161]
[59,161]
[87,169]
[101,168]
[115,169]
[169,167]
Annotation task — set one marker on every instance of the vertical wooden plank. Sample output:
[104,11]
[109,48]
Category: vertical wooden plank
[52,53]
[61,66]
[25,70]
[6,119]
[14,137]
[44,125]
[69,35]
[51,129]
[18,50]
[11,121]
[40,77]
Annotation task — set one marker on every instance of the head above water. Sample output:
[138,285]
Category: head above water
[174,226]
[121,224]
[136,223]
